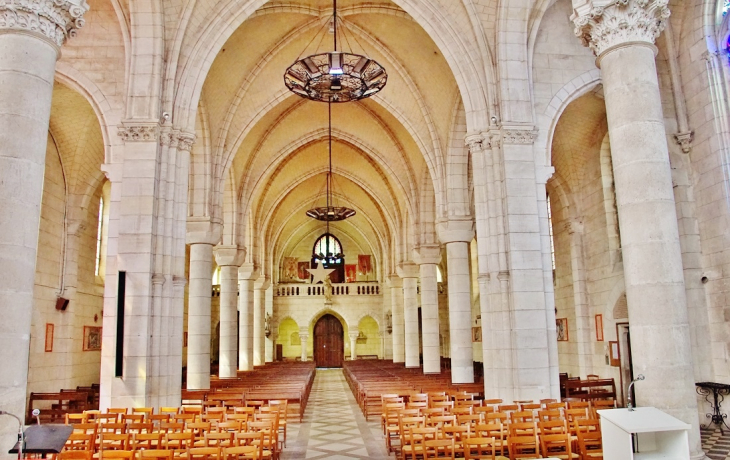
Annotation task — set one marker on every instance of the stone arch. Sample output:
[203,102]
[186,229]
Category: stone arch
[575,88]
[371,314]
[107,117]
[328,311]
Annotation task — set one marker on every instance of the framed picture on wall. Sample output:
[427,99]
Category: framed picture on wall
[599,328]
[49,336]
[614,354]
[92,338]
[561,324]
[476,334]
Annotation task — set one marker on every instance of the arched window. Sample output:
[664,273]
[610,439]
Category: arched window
[550,230]
[327,251]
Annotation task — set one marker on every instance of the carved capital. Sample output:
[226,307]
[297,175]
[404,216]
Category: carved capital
[685,140]
[519,135]
[139,132]
[56,20]
[574,226]
[179,281]
[475,142]
[601,24]
[158,278]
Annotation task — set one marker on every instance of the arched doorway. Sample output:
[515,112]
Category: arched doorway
[329,344]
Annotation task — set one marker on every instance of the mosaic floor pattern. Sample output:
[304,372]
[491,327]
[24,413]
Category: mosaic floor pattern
[334,427]
[715,444]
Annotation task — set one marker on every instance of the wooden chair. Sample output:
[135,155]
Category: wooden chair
[522,428]
[405,424]
[178,442]
[457,433]
[198,429]
[118,428]
[280,420]
[241,453]
[116,454]
[494,431]
[169,410]
[447,405]
[254,403]
[74,455]
[391,428]
[80,441]
[272,417]
[571,415]
[483,410]
[158,418]
[438,449]
[105,418]
[556,406]
[522,416]
[171,427]
[245,410]
[215,410]
[525,446]
[184,418]
[482,449]
[252,439]
[269,440]
[492,402]
[553,427]
[557,446]
[73,419]
[117,410]
[439,421]
[155,454]
[470,420]
[140,428]
[146,411]
[548,401]
[213,417]
[601,404]
[203,453]
[547,415]
[195,410]
[132,418]
[579,405]
[418,397]
[462,410]
[530,406]
[113,441]
[590,445]
[417,437]
[499,417]
[145,441]
[86,428]
[218,439]
[508,407]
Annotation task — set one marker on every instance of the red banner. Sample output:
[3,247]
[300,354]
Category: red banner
[302,269]
[363,264]
[350,273]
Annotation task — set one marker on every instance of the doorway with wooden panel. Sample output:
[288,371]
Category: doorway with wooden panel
[329,342]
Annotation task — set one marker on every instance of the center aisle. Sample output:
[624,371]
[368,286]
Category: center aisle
[333,427]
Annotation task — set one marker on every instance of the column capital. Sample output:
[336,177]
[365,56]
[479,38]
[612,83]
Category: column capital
[139,130]
[177,139]
[179,281]
[56,20]
[248,271]
[262,283]
[452,231]
[395,281]
[303,331]
[574,226]
[427,254]
[202,230]
[353,333]
[604,24]
[229,255]
[544,173]
[407,270]
[475,142]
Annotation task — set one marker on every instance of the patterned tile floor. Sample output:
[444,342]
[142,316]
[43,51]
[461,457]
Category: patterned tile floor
[715,444]
[333,427]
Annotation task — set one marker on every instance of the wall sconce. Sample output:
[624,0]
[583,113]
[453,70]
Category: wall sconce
[389,322]
[267,325]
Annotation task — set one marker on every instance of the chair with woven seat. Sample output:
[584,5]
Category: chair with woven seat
[522,416]
[269,437]
[557,446]
[116,454]
[547,415]
[203,453]
[405,425]
[113,441]
[80,441]
[272,417]
[216,439]
[140,428]
[482,449]
[439,421]
[132,418]
[438,449]
[495,431]
[457,433]
[523,446]
[178,442]
[590,445]
[241,453]
[155,454]
[74,455]
[417,436]
[145,441]
[282,405]
[280,421]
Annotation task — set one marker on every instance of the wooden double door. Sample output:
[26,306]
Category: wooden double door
[329,344]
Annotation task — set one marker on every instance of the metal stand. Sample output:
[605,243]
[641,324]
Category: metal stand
[718,392]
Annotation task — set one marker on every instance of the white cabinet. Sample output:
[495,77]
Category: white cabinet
[660,436]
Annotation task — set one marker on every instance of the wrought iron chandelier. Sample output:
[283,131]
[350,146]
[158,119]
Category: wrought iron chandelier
[335,76]
[330,213]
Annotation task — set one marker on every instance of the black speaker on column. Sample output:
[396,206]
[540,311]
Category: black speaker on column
[61,304]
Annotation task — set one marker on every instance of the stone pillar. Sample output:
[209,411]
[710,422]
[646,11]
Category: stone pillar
[622,36]
[584,336]
[31,35]
[246,276]
[353,344]
[396,295]
[304,336]
[229,258]
[409,273]
[427,258]
[201,285]
[456,235]
[259,338]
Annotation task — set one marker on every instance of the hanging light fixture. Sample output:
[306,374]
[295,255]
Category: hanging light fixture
[330,213]
[335,76]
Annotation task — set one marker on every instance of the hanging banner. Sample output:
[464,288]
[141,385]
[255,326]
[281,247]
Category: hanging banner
[350,273]
[290,268]
[302,269]
[363,264]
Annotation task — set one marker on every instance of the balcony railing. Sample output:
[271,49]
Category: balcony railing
[339,289]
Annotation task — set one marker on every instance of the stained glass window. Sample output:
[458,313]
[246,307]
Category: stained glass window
[327,247]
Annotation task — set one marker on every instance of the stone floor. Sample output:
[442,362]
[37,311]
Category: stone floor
[334,427]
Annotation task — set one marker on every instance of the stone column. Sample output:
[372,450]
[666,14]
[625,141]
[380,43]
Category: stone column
[304,336]
[259,338]
[584,337]
[396,295]
[246,276]
[229,258]
[353,344]
[31,35]
[409,273]
[456,235]
[201,285]
[427,258]
[622,36]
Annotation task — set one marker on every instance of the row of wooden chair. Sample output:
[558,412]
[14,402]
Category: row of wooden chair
[248,452]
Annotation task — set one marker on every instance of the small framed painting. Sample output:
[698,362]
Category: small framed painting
[92,338]
[561,324]
[476,334]
[49,337]
[615,354]
[599,328]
